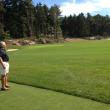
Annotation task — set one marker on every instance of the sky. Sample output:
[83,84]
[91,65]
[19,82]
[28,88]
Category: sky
[70,7]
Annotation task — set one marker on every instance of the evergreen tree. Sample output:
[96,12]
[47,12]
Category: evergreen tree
[19,17]
[85,26]
[55,21]
[2,12]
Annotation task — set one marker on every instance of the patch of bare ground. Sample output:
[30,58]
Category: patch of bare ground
[73,39]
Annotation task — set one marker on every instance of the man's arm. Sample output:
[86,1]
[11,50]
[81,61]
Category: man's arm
[1,62]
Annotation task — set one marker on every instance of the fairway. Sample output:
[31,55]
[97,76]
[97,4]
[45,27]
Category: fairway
[80,68]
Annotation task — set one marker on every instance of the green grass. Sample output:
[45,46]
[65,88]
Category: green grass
[21,97]
[78,68]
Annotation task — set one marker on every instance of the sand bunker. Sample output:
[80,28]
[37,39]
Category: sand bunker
[9,50]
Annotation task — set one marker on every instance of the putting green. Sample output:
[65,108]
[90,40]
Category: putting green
[21,97]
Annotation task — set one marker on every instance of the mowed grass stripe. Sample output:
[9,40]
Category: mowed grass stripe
[78,68]
[21,97]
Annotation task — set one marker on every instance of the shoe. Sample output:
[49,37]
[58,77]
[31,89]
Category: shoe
[4,89]
[7,86]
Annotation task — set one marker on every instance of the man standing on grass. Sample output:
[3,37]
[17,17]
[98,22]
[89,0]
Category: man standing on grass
[4,66]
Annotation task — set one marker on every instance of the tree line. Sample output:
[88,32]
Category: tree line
[85,26]
[20,18]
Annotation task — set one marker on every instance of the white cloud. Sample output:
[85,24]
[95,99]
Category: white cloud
[90,6]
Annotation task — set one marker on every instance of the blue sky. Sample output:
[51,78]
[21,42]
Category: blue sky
[50,2]
[77,6]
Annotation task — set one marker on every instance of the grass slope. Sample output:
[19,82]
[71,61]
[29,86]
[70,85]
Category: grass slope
[28,98]
[78,68]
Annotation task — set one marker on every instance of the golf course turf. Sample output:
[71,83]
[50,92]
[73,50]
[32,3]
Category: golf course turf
[21,97]
[80,68]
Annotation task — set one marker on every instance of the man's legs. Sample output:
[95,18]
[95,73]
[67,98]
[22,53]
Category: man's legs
[6,81]
[3,82]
